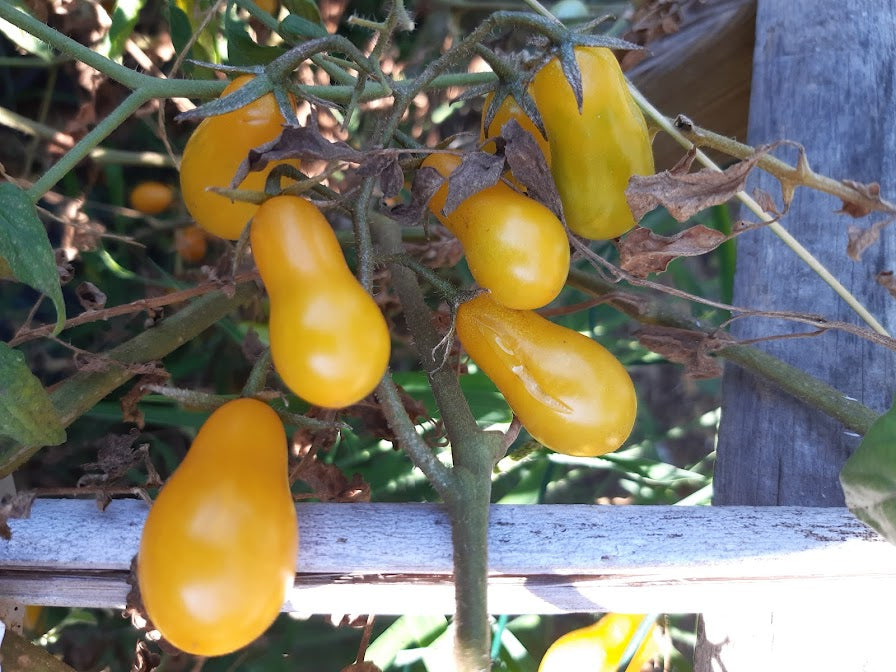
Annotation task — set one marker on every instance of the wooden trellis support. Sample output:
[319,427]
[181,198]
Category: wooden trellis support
[396,558]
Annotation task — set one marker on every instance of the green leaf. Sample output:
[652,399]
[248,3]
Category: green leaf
[404,633]
[26,413]
[305,9]
[869,477]
[299,26]
[26,249]
[124,18]
[23,39]
[243,50]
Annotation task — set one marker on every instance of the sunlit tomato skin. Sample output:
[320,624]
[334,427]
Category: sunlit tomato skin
[329,341]
[215,150]
[596,152]
[567,390]
[507,110]
[191,244]
[151,197]
[599,647]
[218,550]
[515,247]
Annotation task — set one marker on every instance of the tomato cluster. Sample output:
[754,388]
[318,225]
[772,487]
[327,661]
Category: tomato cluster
[569,392]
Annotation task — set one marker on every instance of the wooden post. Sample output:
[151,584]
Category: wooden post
[823,75]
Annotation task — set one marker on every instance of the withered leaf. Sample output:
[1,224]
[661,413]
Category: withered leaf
[144,659]
[870,191]
[129,409]
[887,280]
[642,252]
[682,346]
[327,481]
[477,171]
[115,457]
[90,296]
[528,165]
[304,143]
[14,506]
[385,165]
[686,194]
[361,667]
[860,239]
[426,183]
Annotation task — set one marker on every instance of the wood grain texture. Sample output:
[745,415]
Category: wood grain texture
[703,71]
[823,76]
[396,558]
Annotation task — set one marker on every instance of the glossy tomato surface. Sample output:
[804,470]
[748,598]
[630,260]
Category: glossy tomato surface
[218,549]
[329,341]
[599,647]
[595,152]
[567,390]
[214,152]
[515,247]
[151,197]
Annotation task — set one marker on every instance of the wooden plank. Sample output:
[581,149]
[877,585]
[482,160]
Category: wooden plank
[823,76]
[396,558]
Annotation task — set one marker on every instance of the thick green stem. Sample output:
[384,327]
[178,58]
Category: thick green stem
[794,381]
[81,392]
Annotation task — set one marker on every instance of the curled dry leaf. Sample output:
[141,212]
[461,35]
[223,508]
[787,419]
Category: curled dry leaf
[90,296]
[529,167]
[682,346]
[870,191]
[129,409]
[327,482]
[14,506]
[642,252]
[887,280]
[426,183]
[477,171]
[860,239]
[361,667]
[686,194]
[144,659]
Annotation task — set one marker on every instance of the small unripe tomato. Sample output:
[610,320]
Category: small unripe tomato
[595,152]
[329,341]
[191,244]
[515,246]
[507,110]
[599,647]
[567,390]
[151,197]
[214,152]
[218,550]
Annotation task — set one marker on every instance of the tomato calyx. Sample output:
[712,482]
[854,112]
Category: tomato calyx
[257,88]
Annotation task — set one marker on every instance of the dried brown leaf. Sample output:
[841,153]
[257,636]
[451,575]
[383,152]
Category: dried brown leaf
[477,171]
[115,457]
[690,348]
[684,195]
[14,506]
[529,166]
[361,667]
[887,280]
[384,165]
[860,239]
[327,481]
[642,252]
[129,409]
[870,191]
[144,659]
[425,184]
[90,296]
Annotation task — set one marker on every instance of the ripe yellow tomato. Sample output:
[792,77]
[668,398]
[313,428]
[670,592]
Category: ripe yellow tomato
[515,247]
[567,390]
[329,341]
[596,152]
[151,197]
[191,244]
[507,110]
[218,550]
[599,647]
[215,150]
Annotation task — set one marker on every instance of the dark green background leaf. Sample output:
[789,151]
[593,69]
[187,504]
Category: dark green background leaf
[26,414]
[869,477]
[25,247]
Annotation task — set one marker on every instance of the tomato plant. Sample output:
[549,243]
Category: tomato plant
[515,246]
[151,197]
[215,150]
[218,550]
[600,647]
[567,390]
[595,152]
[329,340]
